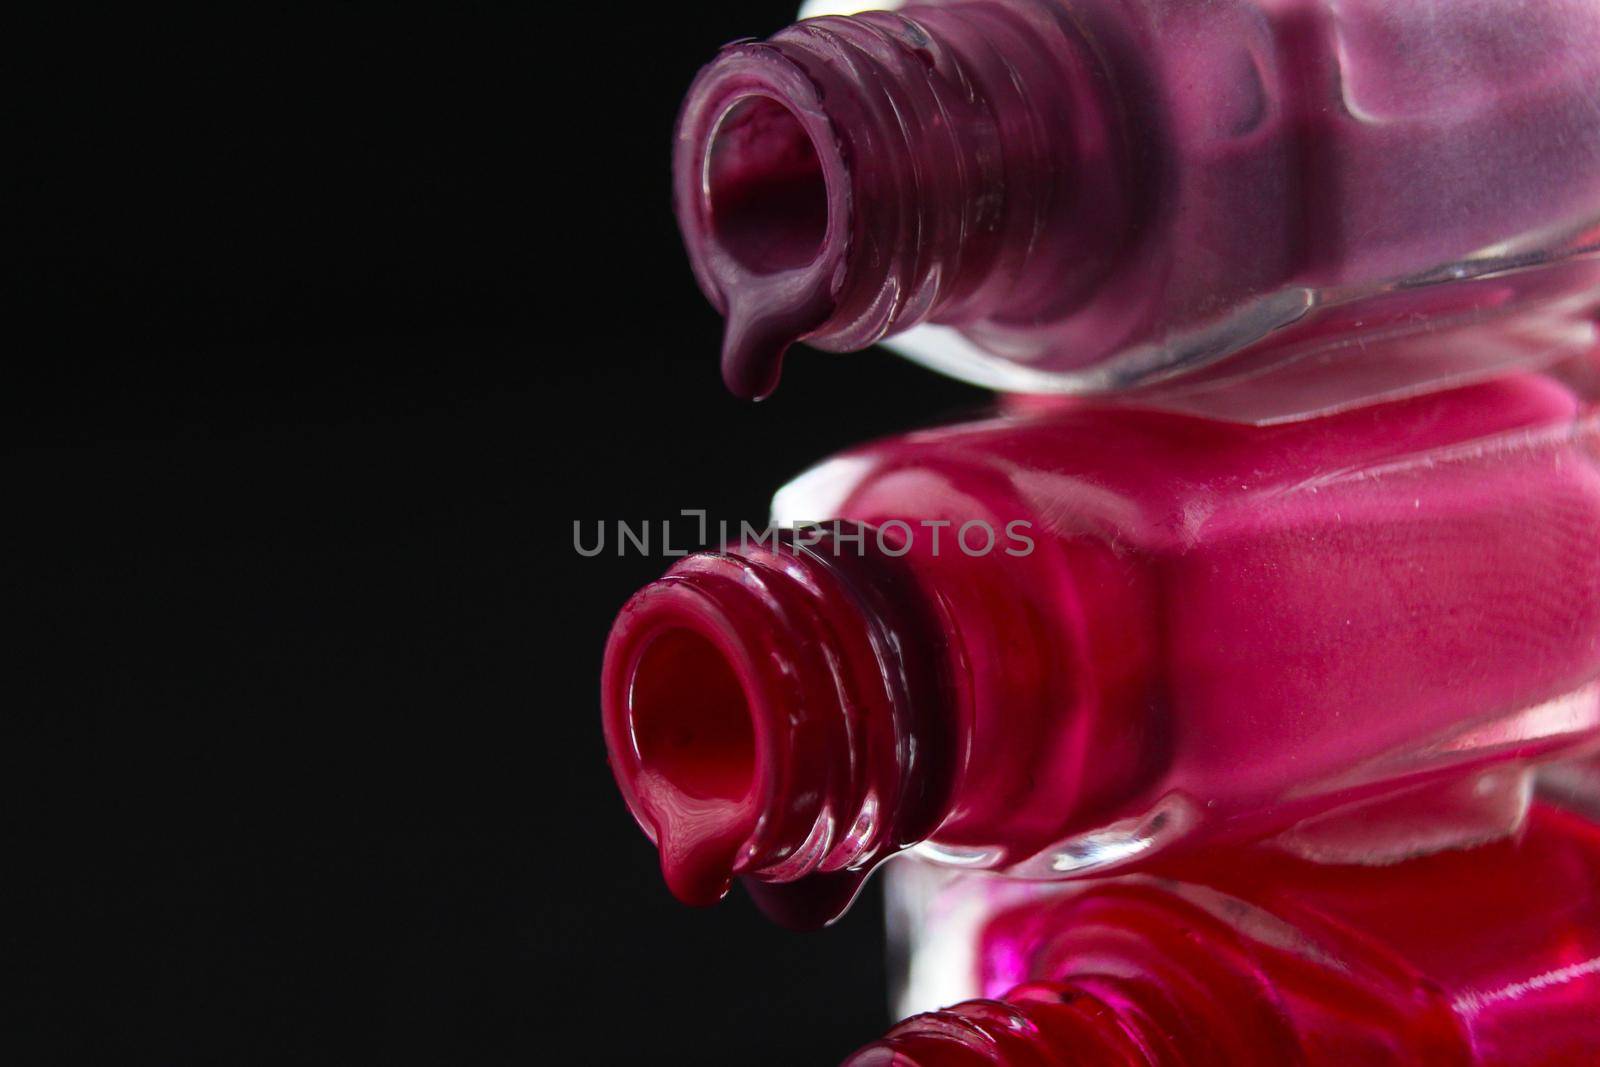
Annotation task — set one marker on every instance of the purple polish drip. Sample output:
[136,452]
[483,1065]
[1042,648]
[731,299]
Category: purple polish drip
[768,214]
[761,326]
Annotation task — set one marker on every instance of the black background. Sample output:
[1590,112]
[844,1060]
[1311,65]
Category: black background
[326,326]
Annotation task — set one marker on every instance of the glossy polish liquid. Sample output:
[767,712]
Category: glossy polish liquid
[1489,956]
[1100,193]
[1221,633]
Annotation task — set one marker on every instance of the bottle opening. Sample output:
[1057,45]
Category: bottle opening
[767,194]
[762,723]
[691,719]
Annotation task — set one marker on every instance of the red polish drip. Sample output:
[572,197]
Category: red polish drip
[696,745]
[1101,193]
[1220,632]
[1249,956]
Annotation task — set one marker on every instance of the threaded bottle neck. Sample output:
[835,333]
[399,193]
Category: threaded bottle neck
[1124,971]
[763,718]
[1042,1022]
[854,176]
[1094,1020]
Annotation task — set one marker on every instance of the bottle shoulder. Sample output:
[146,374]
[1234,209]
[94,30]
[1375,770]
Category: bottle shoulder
[1107,461]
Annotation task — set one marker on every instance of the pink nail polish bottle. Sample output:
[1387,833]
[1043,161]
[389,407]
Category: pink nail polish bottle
[1243,956]
[1086,637]
[1091,195]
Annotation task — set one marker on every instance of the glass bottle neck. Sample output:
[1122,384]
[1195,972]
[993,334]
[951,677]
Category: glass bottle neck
[853,176]
[764,717]
[1093,1021]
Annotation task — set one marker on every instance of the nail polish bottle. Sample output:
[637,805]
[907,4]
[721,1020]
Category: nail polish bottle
[1087,636]
[1093,195]
[1243,956]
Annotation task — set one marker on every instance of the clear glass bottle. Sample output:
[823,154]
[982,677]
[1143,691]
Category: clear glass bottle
[1092,195]
[1488,955]
[1082,636]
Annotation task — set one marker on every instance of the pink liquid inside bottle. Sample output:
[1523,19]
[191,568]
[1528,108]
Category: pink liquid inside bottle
[1089,195]
[1084,637]
[1241,956]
